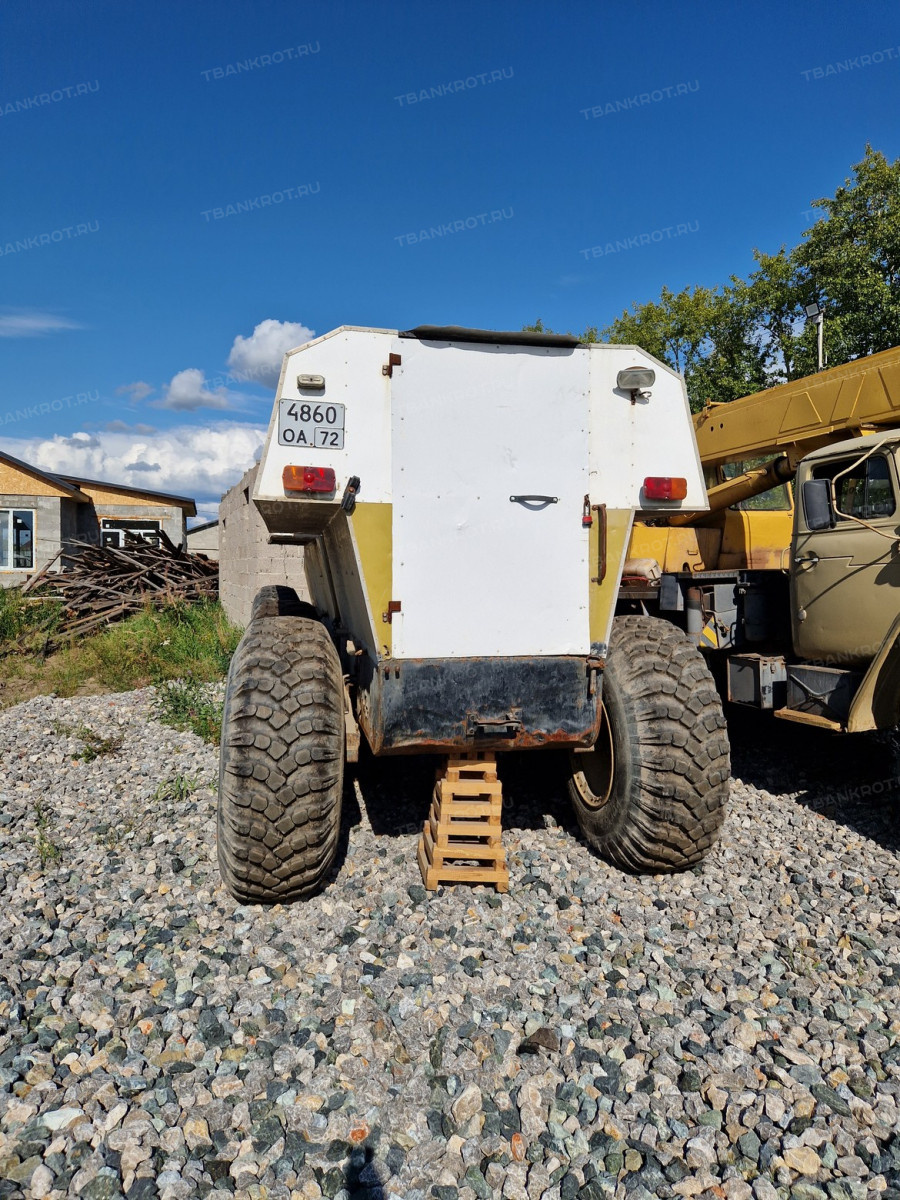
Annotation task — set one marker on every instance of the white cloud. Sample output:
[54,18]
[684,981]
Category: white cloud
[201,461]
[257,358]
[136,391]
[188,391]
[33,324]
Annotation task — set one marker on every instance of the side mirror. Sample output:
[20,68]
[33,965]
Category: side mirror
[817,507]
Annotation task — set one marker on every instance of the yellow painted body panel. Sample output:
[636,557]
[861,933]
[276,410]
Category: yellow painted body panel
[728,540]
[371,525]
[687,549]
[603,595]
[756,540]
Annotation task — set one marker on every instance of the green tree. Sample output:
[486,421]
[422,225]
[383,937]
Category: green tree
[775,296]
[850,262]
[701,332]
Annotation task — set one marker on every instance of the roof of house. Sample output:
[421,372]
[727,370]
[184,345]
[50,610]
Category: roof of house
[71,485]
[167,497]
[205,525]
[54,480]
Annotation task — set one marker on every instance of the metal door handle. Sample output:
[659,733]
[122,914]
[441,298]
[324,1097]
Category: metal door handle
[534,499]
[807,560]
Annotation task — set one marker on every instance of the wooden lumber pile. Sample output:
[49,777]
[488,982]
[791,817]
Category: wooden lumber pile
[101,584]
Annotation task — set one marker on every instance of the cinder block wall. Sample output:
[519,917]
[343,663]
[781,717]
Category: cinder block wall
[246,560]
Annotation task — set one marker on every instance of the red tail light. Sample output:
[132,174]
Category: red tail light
[665,487]
[308,479]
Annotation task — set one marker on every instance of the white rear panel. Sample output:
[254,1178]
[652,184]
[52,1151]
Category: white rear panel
[475,573]
[351,361]
[631,441]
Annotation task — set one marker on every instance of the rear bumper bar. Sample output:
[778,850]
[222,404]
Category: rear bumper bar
[445,705]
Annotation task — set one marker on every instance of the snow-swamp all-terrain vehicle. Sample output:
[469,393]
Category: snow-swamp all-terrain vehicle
[465,499]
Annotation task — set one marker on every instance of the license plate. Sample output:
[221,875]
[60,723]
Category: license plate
[318,425]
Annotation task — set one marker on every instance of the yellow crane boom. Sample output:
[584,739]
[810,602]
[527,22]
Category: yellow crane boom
[795,418]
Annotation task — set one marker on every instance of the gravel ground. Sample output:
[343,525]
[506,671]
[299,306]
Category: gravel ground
[733,1031]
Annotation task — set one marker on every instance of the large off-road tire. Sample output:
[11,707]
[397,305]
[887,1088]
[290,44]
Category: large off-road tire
[651,795]
[281,764]
[279,600]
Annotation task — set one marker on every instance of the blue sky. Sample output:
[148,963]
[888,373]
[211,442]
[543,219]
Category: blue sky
[142,318]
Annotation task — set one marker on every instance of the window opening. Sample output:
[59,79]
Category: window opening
[17,539]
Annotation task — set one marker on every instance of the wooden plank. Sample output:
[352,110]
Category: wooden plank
[438,853]
[428,842]
[428,876]
[437,849]
[805,718]
[35,579]
[440,832]
[471,787]
[467,808]
[455,774]
[498,876]
[466,757]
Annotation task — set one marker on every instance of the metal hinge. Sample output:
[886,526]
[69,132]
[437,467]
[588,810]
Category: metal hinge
[393,607]
[394,360]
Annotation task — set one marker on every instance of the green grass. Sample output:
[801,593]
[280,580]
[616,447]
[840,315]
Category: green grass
[30,618]
[175,642]
[48,851]
[186,704]
[179,787]
[93,745]
[188,642]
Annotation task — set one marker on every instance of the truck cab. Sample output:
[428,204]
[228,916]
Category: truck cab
[845,571]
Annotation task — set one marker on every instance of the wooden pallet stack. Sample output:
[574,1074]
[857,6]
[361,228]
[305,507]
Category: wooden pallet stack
[462,840]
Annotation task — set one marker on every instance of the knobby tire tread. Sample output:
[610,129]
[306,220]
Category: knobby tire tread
[669,799]
[281,761]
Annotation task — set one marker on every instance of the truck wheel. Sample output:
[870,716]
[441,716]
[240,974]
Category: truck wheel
[279,600]
[281,763]
[651,795]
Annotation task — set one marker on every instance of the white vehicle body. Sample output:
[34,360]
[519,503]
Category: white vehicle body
[443,557]
[447,438]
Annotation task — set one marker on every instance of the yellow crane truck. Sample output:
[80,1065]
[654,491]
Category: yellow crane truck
[790,581]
